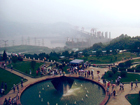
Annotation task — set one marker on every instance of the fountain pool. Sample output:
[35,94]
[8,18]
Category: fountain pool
[82,92]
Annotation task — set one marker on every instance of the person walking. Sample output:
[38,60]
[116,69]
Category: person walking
[122,86]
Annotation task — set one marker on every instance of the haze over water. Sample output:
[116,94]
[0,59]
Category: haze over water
[24,17]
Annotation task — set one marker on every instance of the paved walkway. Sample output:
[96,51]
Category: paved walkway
[118,100]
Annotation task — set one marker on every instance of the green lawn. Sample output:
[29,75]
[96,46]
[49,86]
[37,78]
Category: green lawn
[25,67]
[106,59]
[134,99]
[130,77]
[136,60]
[9,78]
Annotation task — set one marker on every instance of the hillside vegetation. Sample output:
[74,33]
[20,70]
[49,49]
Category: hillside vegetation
[122,42]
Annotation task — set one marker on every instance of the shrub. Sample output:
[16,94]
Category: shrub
[14,59]
[138,68]
[20,58]
[123,73]
[114,69]
[122,69]
[128,63]
[130,70]
[121,65]
[110,73]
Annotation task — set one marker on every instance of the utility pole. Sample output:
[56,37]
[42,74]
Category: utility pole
[42,42]
[13,42]
[22,41]
[38,42]
[0,43]
[28,40]
[35,40]
[5,43]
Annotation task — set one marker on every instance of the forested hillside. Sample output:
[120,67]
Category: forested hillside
[122,42]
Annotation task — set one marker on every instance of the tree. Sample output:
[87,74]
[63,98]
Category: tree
[114,70]
[114,52]
[14,59]
[107,52]
[33,64]
[110,73]
[98,46]
[98,53]
[123,73]
[65,53]
[128,63]
[4,55]
[121,65]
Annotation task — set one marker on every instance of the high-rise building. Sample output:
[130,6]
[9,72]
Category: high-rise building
[106,35]
[109,35]
[99,34]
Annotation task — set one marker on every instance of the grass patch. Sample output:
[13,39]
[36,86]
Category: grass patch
[106,59]
[134,99]
[25,67]
[9,78]
[136,60]
[130,77]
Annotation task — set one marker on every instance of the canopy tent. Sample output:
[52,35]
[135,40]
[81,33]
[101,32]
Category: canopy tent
[76,61]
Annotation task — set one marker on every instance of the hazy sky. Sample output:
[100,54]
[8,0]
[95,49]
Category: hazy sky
[115,16]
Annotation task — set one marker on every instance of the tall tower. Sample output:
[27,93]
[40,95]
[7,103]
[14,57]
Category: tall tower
[109,35]
[99,34]
[106,35]
[102,34]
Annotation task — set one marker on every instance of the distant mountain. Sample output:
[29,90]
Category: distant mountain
[29,49]
[35,29]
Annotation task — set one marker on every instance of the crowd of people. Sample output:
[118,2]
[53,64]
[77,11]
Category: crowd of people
[10,101]
[3,88]
[117,82]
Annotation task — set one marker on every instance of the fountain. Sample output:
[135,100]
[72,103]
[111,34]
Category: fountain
[70,91]
[62,84]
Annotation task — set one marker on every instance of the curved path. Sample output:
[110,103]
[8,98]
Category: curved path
[118,100]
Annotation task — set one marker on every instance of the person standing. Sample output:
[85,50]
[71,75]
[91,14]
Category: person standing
[104,82]
[5,86]
[98,78]
[121,86]
[4,65]
[136,83]
[30,72]
[111,82]
[14,88]
[108,84]
[131,85]
[18,95]
[17,88]
[114,93]
[21,82]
